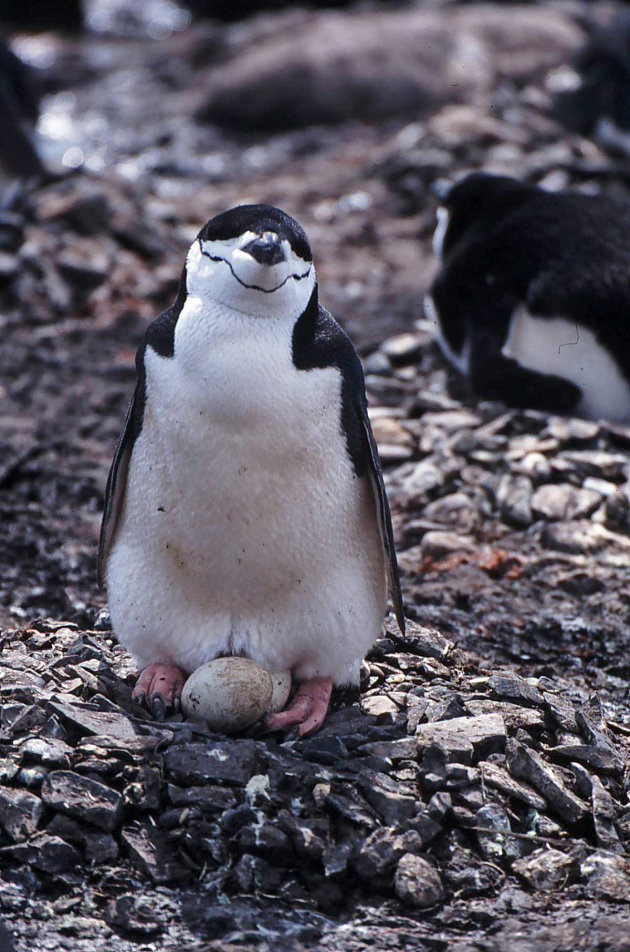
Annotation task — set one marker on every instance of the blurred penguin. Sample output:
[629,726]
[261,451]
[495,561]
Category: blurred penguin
[532,299]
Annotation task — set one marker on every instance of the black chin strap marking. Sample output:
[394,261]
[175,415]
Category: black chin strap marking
[254,287]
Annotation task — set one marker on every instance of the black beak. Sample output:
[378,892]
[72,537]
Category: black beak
[266,248]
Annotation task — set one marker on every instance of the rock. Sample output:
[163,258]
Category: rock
[424,478]
[604,465]
[50,753]
[508,685]
[455,510]
[371,65]
[98,847]
[84,799]
[528,765]
[514,498]
[382,850]
[403,348]
[212,798]
[438,545]
[576,538]
[546,870]
[234,761]
[382,793]
[92,721]
[461,736]
[20,813]
[562,501]
[606,876]
[417,883]
[154,853]
[134,915]
[495,776]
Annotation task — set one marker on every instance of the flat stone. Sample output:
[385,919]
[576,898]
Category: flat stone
[455,510]
[514,715]
[528,765]
[562,501]
[575,538]
[20,813]
[606,876]
[212,798]
[153,852]
[514,498]
[598,463]
[382,850]
[604,816]
[561,710]
[98,847]
[546,870]
[417,883]
[403,749]
[108,723]
[493,818]
[383,794]
[83,798]
[483,734]
[50,753]
[50,854]
[354,810]
[438,545]
[233,761]
[497,777]
[510,686]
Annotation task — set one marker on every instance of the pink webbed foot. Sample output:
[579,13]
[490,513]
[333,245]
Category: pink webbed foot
[308,708]
[160,688]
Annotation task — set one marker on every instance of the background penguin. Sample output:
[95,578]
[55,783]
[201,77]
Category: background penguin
[532,301]
[593,97]
[245,508]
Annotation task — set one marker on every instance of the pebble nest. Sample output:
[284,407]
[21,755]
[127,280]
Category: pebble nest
[474,794]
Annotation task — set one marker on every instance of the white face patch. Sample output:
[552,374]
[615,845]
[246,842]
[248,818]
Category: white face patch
[440,231]
[559,346]
[224,272]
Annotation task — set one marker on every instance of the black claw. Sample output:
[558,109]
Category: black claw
[139,700]
[158,707]
[177,704]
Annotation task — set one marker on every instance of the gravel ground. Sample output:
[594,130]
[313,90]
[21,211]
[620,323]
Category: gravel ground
[474,795]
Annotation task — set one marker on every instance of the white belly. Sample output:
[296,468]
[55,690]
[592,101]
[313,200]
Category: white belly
[244,528]
[560,346]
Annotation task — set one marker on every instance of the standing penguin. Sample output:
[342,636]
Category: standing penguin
[533,295]
[245,509]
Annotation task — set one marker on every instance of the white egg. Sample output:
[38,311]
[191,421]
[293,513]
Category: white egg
[281,681]
[229,694]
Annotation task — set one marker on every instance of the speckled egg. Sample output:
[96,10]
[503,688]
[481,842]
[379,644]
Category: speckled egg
[229,694]
[281,682]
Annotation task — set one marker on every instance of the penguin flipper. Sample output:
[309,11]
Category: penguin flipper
[383,514]
[116,483]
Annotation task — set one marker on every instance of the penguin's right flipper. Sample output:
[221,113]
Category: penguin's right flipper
[117,481]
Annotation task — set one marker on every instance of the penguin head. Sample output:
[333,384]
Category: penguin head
[471,207]
[253,259]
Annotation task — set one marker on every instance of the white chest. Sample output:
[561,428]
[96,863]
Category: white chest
[560,346]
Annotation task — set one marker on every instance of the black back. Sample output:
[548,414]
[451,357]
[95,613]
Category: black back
[561,254]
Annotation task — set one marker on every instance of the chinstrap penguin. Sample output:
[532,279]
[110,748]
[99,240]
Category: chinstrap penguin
[532,300]
[245,508]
